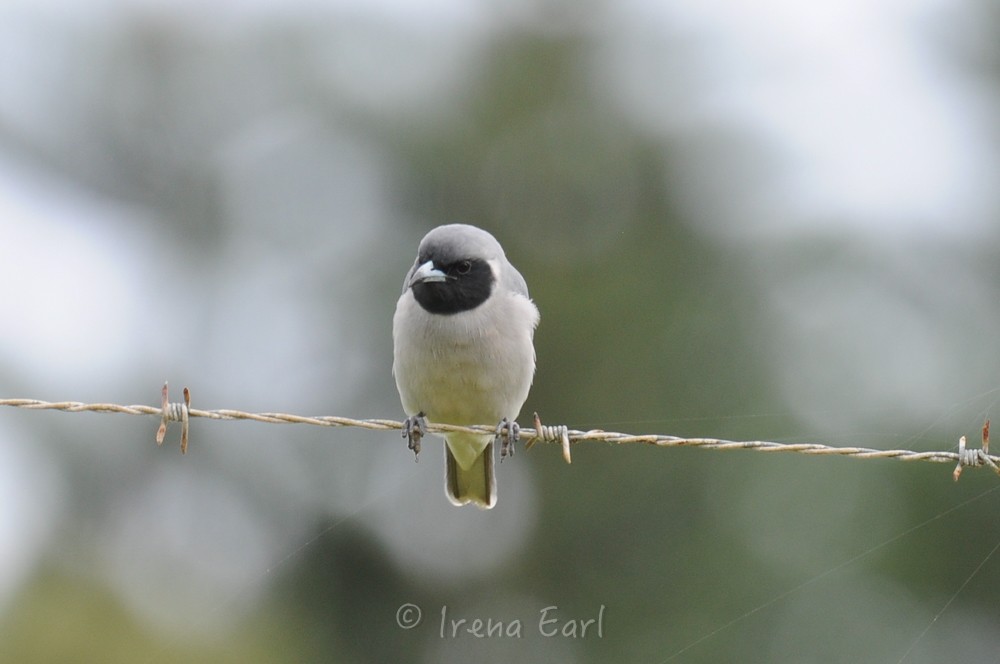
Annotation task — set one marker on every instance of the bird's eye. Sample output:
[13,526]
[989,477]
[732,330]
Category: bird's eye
[464,267]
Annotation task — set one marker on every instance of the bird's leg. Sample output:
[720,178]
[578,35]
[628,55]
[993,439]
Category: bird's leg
[414,428]
[507,441]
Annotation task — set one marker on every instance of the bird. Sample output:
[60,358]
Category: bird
[463,353]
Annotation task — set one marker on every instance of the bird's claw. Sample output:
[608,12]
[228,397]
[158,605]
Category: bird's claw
[414,428]
[507,438]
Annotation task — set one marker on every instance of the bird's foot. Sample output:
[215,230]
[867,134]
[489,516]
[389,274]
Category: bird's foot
[507,434]
[414,428]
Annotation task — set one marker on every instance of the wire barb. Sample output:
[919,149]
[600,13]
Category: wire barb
[973,457]
[551,434]
[174,412]
[561,434]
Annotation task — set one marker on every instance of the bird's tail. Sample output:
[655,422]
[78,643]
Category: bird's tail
[474,484]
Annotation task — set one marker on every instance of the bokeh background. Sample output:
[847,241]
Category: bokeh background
[771,220]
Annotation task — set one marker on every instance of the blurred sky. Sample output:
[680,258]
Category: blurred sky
[222,194]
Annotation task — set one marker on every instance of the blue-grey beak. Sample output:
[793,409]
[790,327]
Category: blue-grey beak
[425,273]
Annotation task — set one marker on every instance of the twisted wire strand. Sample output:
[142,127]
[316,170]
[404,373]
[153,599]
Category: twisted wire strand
[557,434]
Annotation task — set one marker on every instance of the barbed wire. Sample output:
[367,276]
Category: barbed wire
[182,412]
